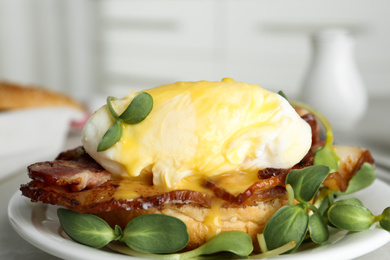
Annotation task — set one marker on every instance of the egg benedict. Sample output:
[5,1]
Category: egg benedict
[213,154]
[202,128]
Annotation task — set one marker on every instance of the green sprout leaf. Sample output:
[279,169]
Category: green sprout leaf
[350,217]
[289,223]
[363,178]
[113,113]
[307,181]
[283,95]
[275,252]
[111,137]
[228,245]
[384,219]
[353,201]
[118,232]
[236,242]
[86,229]
[323,210]
[156,233]
[328,157]
[324,204]
[318,229]
[138,109]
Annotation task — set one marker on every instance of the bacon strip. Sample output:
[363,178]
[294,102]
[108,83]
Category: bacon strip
[55,183]
[101,198]
[316,142]
[74,169]
[339,180]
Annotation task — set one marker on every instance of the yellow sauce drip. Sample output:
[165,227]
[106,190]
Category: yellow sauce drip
[236,183]
[134,187]
[213,219]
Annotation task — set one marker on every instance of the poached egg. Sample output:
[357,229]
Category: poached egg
[201,128]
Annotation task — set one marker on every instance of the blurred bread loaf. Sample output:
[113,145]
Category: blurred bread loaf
[16,96]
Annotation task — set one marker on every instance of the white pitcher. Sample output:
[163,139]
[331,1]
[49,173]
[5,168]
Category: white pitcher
[333,84]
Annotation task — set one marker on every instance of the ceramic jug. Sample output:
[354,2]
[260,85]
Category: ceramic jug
[333,84]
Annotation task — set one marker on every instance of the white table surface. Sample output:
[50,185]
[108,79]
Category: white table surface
[372,133]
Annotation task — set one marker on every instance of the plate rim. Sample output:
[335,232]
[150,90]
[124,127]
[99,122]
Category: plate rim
[79,251]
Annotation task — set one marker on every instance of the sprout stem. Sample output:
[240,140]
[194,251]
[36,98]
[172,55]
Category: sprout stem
[310,207]
[277,251]
[324,192]
[113,113]
[128,251]
[378,218]
[290,194]
[262,243]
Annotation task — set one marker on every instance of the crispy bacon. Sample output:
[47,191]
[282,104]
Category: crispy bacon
[315,128]
[54,183]
[101,198]
[74,169]
[349,166]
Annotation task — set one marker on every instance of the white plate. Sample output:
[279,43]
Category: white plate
[38,224]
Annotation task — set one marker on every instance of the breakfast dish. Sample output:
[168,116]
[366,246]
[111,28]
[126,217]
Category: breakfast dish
[38,224]
[208,162]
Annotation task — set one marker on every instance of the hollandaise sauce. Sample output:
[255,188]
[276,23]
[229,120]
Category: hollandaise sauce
[201,130]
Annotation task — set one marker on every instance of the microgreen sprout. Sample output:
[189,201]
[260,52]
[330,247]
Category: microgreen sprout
[149,236]
[292,222]
[316,207]
[87,229]
[289,223]
[319,232]
[151,233]
[138,109]
[350,216]
[236,242]
[155,233]
[278,251]
[384,219]
[230,243]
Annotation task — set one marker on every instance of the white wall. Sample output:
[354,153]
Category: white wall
[49,43]
[149,42]
[113,45]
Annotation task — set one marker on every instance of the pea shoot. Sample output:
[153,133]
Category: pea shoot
[316,207]
[138,109]
[149,236]
[151,233]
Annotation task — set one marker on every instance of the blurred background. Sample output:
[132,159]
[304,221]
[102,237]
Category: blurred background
[93,48]
[90,49]
[85,47]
